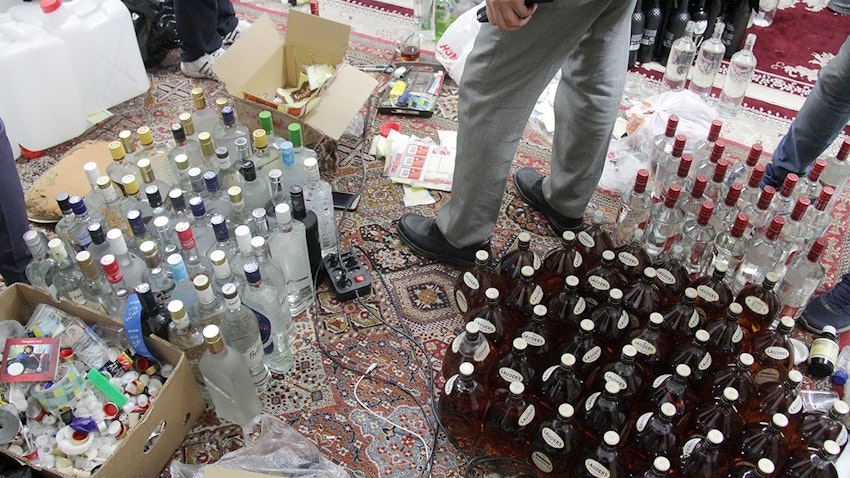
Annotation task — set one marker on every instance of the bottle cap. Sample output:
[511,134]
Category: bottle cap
[252,272]
[137,222]
[714,130]
[198,208]
[817,249]
[730,394]
[130,184]
[714,436]
[275,177]
[283,213]
[185,235]
[717,151]
[565,410]
[641,180]
[733,194]
[116,241]
[92,172]
[228,116]
[683,370]
[720,168]
[587,325]
[672,195]
[482,257]
[520,343]
[615,294]
[668,409]
[672,124]
[800,208]
[466,369]
[702,336]
[516,388]
[217,257]
[700,183]
[742,220]
[734,310]
[685,165]
[527,271]
[211,181]
[656,318]
[116,149]
[755,154]
[185,120]
[572,281]
[611,438]
[111,269]
[178,133]
[831,448]
[568,360]
[840,407]
[839,377]
[629,351]
[746,360]
[491,293]
[678,145]
[705,211]
[153,195]
[607,255]
[260,139]
[661,464]
[843,150]
[249,172]
[691,293]
[176,309]
[779,420]
[775,227]
[789,184]
[145,135]
[765,466]
[235,194]
[568,237]
[612,388]
[472,328]
[539,310]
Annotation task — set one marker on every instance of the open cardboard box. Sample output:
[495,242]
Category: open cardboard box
[149,445]
[260,62]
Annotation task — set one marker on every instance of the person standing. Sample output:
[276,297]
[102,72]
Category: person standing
[204,26]
[14,253]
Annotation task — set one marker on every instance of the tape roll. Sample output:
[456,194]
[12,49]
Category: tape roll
[10,424]
[69,384]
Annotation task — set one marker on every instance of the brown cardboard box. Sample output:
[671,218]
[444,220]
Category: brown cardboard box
[260,62]
[145,450]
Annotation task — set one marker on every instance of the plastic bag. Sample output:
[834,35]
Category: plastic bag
[621,165]
[156,28]
[279,450]
[456,43]
[648,118]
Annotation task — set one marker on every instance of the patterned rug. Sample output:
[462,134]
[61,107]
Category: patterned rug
[317,398]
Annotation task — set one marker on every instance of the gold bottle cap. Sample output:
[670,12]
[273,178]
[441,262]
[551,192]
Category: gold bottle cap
[146,170]
[217,257]
[199,101]
[86,264]
[116,149]
[145,135]
[235,193]
[131,186]
[207,144]
[182,162]
[260,139]
[104,182]
[201,281]
[212,336]
[126,138]
[177,310]
[187,123]
[220,103]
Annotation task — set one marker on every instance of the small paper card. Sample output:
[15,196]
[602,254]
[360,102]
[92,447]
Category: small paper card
[30,359]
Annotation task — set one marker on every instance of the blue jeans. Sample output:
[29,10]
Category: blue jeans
[822,117]
[14,253]
[201,24]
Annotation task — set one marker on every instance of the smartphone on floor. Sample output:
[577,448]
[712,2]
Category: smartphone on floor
[343,200]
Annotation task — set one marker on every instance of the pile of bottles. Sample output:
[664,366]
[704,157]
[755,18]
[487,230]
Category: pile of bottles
[604,360]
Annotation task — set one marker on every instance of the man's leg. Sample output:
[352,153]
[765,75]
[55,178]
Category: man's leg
[226,21]
[14,254]
[824,114]
[197,26]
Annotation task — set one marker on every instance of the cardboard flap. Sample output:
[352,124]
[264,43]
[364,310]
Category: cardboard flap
[254,61]
[316,39]
[348,92]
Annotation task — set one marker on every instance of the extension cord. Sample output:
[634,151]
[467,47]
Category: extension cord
[348,276]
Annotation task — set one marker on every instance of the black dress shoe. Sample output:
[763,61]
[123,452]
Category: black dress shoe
[425,239]
[529,184]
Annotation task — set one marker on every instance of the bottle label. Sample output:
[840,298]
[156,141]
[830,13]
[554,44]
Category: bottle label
[756,305]
[84,240]
[542,462]
[536,296]
[534,339]
[510,375]
[598,283]
[163,297]
[265,331]
[642,421]
[842,437]
[693,322]
[634,42]
[707,294]
[97,308]
[551,438]
[591,400]
[689,446]
[648,37]
[613,377]
[624,321]
[777,353]
[482,352]
[705,363]
[450,384]
[536,262]
[596,469]
[457,341]
[586,240]
[462,303]
[659,380]
[738,335]
[665,276]
[485,326]
[825,349]
[577,260]
[471,281]
[527,416]
[766,375]
[628,259]
[254,356]
[76,296]
[592,355]
[581,306]
[796,406]
[644,347]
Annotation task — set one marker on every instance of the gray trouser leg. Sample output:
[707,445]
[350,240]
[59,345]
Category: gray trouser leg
[503,77]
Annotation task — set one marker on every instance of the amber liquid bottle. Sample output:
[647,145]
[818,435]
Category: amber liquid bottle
[601,279]
[632,258]
[682,319]
[539,338]
[701,456]
[612,322]
[672,388]
[593,240]
[761,304]
[713,293]
[556,443]
[631,376]
[764,468]
[660,469]
[603,411]
[718,413]
[492,319]
[823,353]
[508,423]
[461,407]
[567,309]
[737,376]
[470,287]
[808,464]
[603,460]
[561,262]
[513,366]
[521,297]
[647,340]
[697,357]
[653,434]
[764,440]
[672,276]
[777,397]
[585,348]
[817,427]
[473,347]
[559,384]
[727,337]
[642,297]
[510,268]
[773,352]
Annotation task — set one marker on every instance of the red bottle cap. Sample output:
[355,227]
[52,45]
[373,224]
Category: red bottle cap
[685,165]
[672,195]
[817,168]
[755,154]
[714,130]
[679,145]
[733,194]
[48,6]
[775,227]
[184,234]
[717,151]
[700,183]
[111,269]
[817,249]
[824,197]
[720,170]
[766,197]
[789,184]
[705,211]
[641,180]
[756,175]
[844,150]
[672,124]
[742,220]
[800,208]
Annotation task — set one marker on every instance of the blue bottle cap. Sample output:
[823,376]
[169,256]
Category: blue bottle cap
[211,180]
[137,222]
[287,154]
[839,377]
[220,228]
[252,272]
[228,117]
[197,205]
[77,205]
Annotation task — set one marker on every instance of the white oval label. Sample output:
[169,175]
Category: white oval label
[628,259]
[644,346]
[842,437]
[689,446]
[596,469]
[796,406]
[527,416]
[613,377]
[738,335]
[598,283]
[456,342]
[777,353]
[536,296]
[591,400]
[592,355]
[580,307]
[756,305]
[471,281]
[548,373]
[707,294]
[577,260]
[659,380]
[551,438]
[705,362]
[624,321]
[536,262]
[450,384]
[766,375]
[462,303]
[694,320]
[510,375]
[586,240]
[542,462]
[485,326]
[665,276]
[482,352]
[641,422]
[533,339]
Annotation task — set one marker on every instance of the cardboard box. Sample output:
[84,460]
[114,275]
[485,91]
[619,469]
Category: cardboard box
[146,448]
[261,61]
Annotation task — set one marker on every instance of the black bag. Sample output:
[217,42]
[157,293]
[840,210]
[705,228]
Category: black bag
[156,28]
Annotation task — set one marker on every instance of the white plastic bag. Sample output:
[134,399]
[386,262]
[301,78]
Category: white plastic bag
[648,118]
[456,43]
[621,165]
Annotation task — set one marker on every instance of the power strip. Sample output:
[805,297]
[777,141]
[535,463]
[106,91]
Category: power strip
[348,276]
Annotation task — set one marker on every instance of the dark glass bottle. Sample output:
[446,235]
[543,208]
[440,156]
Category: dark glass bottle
[602,460]
[673,388]
[727,337]
[461,407]
[660,468]
[647,340]
[736,375]
[652,24]
[601,279]
[508,422]
[556,443]
[694,354]
[603,411]
[521,297]
[760,303]
[567,309]
[539,338]
[699,15]
[736,16]
[719,413]
[593,240]
[714,10]
[744,469]
[683,319]
[713,293]
[630,375]
[559,384]
[638,19]
[561,262]
[642,297]
[612,322]
[653,434]
[808,464]
[773,352]
[817,427]
[632,258]
[674,28]
[765,440]
[585,349]
[510,268]
[702,457]
[672,275]
[492,319]
[823,353]
[776,397]
[470,286]
[311,224]
[153,320]
[473,347]
[513,366]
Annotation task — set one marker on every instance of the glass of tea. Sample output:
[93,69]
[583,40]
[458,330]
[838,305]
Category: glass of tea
[410,48]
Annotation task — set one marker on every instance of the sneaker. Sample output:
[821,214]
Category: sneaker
[529,185]
[831,308]
[231,37]
[426,240]
[202,67]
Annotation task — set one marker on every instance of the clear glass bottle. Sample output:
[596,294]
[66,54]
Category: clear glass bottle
[293,172]
[706,166]
[185,119]
[228,170]
[742,66]
[255,190]
[556,442]
[132,266]
[229,130]
[215,201]
[41,268]
[714,189]
[166,238]
[708,61]
[188,338]
[727,210]
[112,205]
[773,352]
[664,223]
[119,167]
[682,53]
[240,329]
[662,144]
[210,308]
[820,217]
[635,205]
[299,148]
[157,154]
[762,257]
[209,160]
[84,217]
[730,246]
[113,274]
[691,205]
[461,406]
[508,422]
[191,246]
[809,186]
[317,197]
[752,188]
[158,206]
[157,276]
[191,147]
[667,167]
[804,276]
[704,148]
[128,140]
[228,376]
[741,171]
[760,213]
[783,202]
[837,169]
[133,199]
[278,193]
[95,287]
[222,272]
[265,157]
[698,236]
[288,246]
[183,288]
[308,218]
[794,233]
[263,300]
[239,216]
[204,117]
